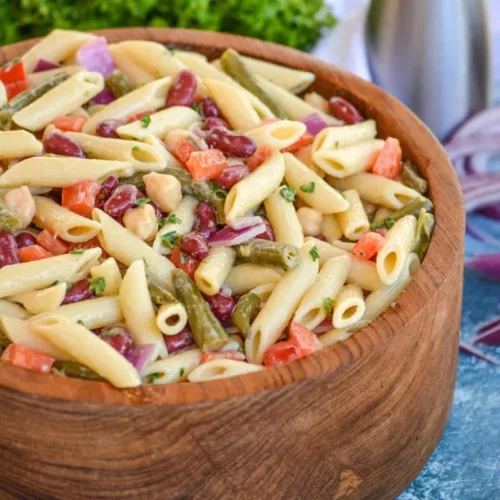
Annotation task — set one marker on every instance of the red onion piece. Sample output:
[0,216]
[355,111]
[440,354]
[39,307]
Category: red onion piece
[477,143]
[243,222]
[491,337]
[95,56]
[229,236]
[44,65]
[141,355]
[105,96]
[480,190]
[481,236]
[484,327]
[488,265]
[314,123]
[478,354]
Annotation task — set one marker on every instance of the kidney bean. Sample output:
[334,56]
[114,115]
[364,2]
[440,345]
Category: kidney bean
[122,198]
[25,239]
[344,111]
[231,175]
[78,291]
[209,108]
[268,233]
[118,337]
[216,122]
[195,245]
[230,143]
[158,212]
[183,89]
[221,305]
[59,144]
[320,237]
[205,220]
[8,249]
[107,128]
[107,187]
[179,341]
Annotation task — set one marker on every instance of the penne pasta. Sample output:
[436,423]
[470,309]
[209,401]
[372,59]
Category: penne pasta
[87,348]
[281,305]
[147,98]
[160,123]
[245,277]
[41,300]
[221,368]
[19,143]
[126,248]
[277,135]
[171,318]
[214,269]
[172,369]
[138,309]
[62,222]
[131,69]
[61,100]
[109,270]
[311,188]
[263,291]
[12,310]
[330,228]
[349,307]
[313,308]
[377,189]
[170,159]
[142,157]
[353,222]
[335,335]
[283,218]
[56,172]
[42,76]
[3,95]
[30,276]
[255,188]
[334,138]
[392,256]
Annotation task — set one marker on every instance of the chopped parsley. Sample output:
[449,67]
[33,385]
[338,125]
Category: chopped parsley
[196,106]
[328,305]
[142,201]
[241,349]
[80,322]
[77,251]
[136,148]
[154,376]
[184,258]
[169,239]
[314,253]
[181,372]
[288,193]
[337,144]
[56,282]
[146,121]
[97,284]
[389,222]
[171,219]
[308,188]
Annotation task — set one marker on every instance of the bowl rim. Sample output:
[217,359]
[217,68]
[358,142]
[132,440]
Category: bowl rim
[445,251]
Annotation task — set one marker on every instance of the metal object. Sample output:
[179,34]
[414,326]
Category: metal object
[433,55]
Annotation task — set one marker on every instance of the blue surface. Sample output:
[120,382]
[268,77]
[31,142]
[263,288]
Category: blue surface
[466,463]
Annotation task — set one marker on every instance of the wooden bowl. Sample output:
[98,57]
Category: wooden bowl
[356,420]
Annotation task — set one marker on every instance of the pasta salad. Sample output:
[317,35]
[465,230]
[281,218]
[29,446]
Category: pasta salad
[166,218]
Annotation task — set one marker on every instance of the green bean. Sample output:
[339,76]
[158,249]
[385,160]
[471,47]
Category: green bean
[207,331]
[160,296]
[202,191]
[234,66]
[269,253]
[8,220]
[413,179]
[75,370]
[119,84]
[425,227]
[411,208]
[245,312]
[27,97]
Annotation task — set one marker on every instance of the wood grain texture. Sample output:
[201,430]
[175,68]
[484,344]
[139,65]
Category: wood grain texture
[355,420]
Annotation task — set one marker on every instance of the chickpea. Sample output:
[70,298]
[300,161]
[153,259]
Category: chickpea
[21,202]
[164,190]
[142,222]
[310,220]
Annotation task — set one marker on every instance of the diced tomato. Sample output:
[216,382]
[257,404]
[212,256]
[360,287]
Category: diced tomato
[30,359]
[209,356]
[388,163]
[279,353]
[69,123]
[305,340]
[52,243]
[139,116]
[12,72]
[15,88]
[34,252]
[303,141]
[259,157]
[368,245]
[205,165]
[81,197]
[183,150]
[185,262]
